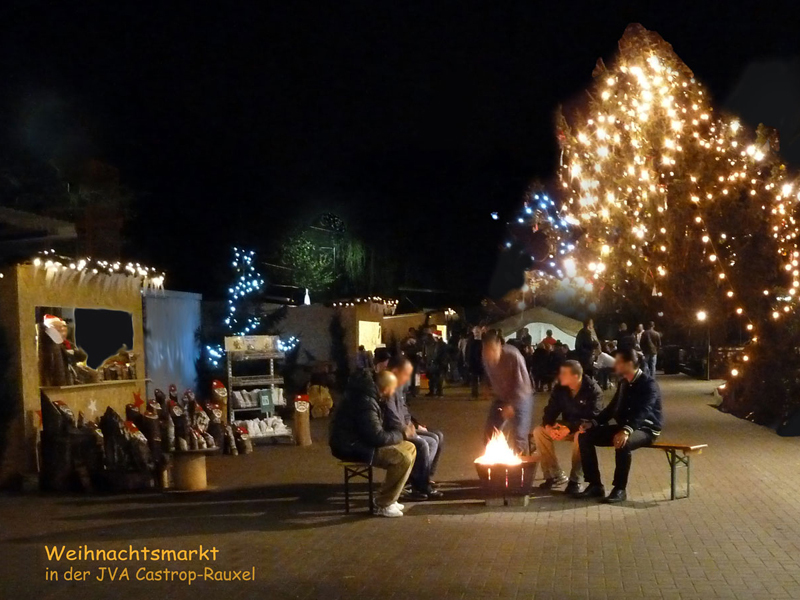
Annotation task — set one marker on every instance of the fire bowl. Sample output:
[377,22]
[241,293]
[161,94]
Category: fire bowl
[503,481]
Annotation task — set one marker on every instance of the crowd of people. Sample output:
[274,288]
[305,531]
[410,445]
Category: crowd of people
[373,424]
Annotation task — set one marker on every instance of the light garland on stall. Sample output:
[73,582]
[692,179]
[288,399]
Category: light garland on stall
[367,300]
[631,159]
[51,262]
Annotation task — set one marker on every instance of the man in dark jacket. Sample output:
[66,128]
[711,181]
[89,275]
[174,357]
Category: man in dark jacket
[584,346]
[651,344]
[436,359]
[636,409]
[575,400]
[428,443]
[475,362]
[358,434]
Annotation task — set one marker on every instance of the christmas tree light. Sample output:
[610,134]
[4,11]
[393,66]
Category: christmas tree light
[670,206]
[247,282]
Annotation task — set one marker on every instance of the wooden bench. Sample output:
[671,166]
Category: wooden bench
[679,456]
[352,470]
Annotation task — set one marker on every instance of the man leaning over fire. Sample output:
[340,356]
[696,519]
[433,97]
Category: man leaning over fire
[575,400]
[511,385]
[636,409]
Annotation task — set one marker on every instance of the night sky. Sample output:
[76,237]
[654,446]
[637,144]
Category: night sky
[413,121]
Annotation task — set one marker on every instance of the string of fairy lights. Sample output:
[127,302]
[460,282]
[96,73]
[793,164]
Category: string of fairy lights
[647,151]
[50,261]
[623,164]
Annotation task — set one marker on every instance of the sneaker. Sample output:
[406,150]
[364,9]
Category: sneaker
[552,482]
[400,506]
[417,495]
[388,511]
[573,487]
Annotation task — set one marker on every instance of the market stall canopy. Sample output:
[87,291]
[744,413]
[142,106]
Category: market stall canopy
[538,320]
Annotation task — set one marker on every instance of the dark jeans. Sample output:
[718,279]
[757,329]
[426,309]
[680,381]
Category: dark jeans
[439,437]
[603,435]
[427,448]
[475,381]
[435,383]
[520,424]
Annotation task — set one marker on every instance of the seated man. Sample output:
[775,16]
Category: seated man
[428,443]
[575,400]
[357,434]
[636,409]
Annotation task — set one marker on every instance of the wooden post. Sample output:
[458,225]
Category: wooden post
[190,471]
[302,423]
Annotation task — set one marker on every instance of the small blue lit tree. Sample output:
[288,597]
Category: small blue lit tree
[247,282]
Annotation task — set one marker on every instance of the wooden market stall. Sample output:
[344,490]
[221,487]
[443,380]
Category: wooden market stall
[102,305]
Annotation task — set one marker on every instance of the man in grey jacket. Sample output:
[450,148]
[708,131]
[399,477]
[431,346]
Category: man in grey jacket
[511,386]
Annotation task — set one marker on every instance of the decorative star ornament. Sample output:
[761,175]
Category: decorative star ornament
[137,400]
[92,407]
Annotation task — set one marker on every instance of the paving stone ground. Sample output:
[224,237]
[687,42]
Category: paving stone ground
[280,510]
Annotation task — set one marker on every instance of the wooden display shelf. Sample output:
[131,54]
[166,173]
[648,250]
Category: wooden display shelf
[78,386]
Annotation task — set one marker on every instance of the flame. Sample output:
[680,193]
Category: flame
[498,452]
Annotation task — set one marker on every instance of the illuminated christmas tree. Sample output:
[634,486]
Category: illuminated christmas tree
[679,210]
[243,317]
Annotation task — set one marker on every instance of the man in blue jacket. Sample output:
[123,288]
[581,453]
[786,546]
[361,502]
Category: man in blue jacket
[358,434]
[636,410]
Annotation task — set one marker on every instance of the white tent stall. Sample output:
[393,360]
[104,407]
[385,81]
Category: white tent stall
[538,320]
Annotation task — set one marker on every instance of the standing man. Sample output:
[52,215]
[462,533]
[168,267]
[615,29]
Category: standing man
[411,348]
[475,361]
[584,346]
[651,344]
[549,339]
[427,442]
[511,385]
[636,409]
[576,399]
[436,359]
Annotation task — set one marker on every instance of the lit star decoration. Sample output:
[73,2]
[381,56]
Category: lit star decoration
[663,197]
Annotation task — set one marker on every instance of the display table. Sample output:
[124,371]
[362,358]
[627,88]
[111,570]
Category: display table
[189,470]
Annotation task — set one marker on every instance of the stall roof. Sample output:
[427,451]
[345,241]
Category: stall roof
[538,314]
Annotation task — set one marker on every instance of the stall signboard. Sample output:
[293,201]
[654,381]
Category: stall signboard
[252,343]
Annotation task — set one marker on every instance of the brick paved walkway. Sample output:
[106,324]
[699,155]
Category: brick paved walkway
[280,510]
